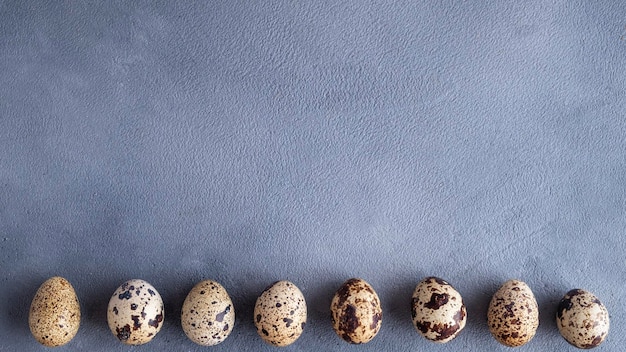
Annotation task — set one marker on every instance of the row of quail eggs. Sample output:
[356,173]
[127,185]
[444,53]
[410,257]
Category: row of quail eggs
[135,313]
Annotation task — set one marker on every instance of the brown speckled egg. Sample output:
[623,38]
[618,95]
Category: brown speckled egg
[438,310]
[513,314]
[356,312]
[54,315]
[582,319]
[208,315]
[280,313]
[135,312]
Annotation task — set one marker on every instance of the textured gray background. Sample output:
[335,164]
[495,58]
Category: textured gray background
[254,141]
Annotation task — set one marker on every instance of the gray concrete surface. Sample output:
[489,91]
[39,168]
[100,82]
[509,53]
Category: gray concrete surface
[254,141]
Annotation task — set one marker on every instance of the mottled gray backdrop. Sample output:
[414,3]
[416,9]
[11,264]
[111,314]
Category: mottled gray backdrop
[253,141]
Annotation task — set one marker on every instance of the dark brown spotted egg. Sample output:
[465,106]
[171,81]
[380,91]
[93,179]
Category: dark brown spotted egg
[135,313]
[582,319]
[356,312]
[54,314]
[208,315]
[437,309]
[513,314]
[280,313]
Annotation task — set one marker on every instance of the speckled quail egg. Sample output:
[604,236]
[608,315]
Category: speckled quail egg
[208,315]
[356,312]
[280,313]
[135,312]
[437,309]
[54,315]
[513,314]
[582,319]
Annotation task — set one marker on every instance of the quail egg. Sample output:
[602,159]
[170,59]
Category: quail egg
[513,314]
[54,315]
[437,309]
[582,319]
[135,313]
[356,312]
[280,313]
[208,315]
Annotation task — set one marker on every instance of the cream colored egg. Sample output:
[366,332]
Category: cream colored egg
[54,315]
[208,315]
[437,309]
[280,313]
[513,314]
[582,319]
[356,312]
[135,313]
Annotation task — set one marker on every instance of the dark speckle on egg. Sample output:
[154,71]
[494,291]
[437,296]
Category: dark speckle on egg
[123,333]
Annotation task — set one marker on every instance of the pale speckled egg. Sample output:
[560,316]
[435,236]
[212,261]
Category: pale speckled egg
[437,309]
[280,313]
[54,315]
[356,312]
[208,314]
[513,314]
[135,313]
[582,319]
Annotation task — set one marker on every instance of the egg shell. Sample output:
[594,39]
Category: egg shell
[208,315]
[356,312]
[280,313]
[135,313]
[54,315]
[437,309]
[582,319]
[513,314]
